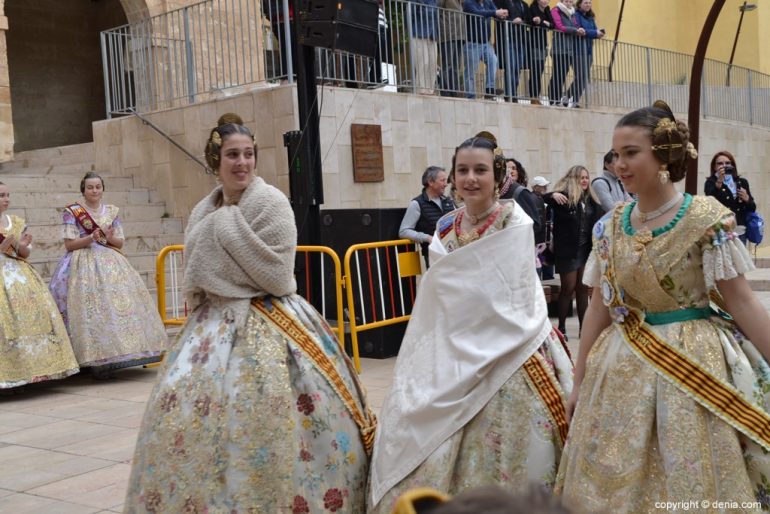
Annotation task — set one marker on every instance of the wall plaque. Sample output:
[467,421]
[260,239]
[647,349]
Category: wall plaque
[367,153]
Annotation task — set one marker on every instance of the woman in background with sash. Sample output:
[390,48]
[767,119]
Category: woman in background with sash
[33,340]
[671,399]
[257,409]
[480,384]
[110,316]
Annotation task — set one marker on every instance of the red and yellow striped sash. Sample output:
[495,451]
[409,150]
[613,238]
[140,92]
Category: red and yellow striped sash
[724,400]
[366,420]
[545,386]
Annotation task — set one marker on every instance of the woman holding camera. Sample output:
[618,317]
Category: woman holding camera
[730,189]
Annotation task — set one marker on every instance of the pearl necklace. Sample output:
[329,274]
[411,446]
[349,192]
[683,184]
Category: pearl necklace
[660,211]
[475,219]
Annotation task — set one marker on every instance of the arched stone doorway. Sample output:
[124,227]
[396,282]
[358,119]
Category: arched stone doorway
[55,67]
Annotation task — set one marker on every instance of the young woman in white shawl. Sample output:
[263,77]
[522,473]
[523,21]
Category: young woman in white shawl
[257,409]
[481,380]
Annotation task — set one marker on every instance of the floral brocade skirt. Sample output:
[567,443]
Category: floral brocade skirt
[242,421]
[33,340]
[511,442]
[637,441]
[108,311]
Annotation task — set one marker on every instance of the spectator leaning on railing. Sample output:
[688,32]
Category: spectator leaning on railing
[563,50]
[425,209]
[584,48]
[477,47]
[452,43]
[422,45]
[510,39]
[539,16]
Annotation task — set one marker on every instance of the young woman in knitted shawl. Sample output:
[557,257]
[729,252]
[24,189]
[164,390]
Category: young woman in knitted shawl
[257,409]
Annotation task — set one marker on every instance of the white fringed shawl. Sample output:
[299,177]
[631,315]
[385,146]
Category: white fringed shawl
[238,252]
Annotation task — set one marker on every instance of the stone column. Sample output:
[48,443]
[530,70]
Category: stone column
[6,121]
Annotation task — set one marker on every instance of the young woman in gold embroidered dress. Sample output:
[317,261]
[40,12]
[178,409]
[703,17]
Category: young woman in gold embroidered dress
[110,316]
[480,385]
[33,341]
[671,399]
[257,408]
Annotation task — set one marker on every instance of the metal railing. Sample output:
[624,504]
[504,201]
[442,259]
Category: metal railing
[217,46]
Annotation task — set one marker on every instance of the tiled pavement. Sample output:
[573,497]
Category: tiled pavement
[66,446]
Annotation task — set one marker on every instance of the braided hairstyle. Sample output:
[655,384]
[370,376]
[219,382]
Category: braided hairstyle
[228,124]
[487,141]
[670,138]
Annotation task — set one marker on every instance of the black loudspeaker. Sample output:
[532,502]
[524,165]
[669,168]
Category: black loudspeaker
[347,25]
[342,228]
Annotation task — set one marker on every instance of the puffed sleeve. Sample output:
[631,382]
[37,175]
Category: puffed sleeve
[118,226]
[69,228]
[724,255]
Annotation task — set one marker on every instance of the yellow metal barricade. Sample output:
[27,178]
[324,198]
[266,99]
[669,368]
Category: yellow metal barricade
[175,254]
[171,287]
[380,286]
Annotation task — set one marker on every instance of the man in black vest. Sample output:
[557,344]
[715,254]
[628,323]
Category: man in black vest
[426,209]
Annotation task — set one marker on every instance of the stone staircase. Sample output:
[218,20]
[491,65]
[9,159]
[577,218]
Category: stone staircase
[44,181]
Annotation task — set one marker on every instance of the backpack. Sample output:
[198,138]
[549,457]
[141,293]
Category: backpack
[609,186]
[755,227]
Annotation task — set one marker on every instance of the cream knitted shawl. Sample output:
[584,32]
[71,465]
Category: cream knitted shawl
[238,252]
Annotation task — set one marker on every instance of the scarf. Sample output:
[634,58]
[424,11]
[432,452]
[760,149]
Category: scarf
[238,252]
[569,11]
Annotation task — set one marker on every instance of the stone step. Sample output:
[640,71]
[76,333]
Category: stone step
[143,262]
[45,256]
[27,183]
[12,168]
[47,242]
[759,279]
[53,216]
[45,157]
[59,199]
[52,233]
[762,262]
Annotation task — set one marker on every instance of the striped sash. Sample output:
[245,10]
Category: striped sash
[714,394]
[544,383]
[286,324]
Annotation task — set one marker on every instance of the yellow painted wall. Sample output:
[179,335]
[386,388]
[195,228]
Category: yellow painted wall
[676,25]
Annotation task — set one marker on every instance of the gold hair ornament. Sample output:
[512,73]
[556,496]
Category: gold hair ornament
[216,138]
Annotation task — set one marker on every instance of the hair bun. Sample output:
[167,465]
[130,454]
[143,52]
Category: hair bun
[228,118]
[663,106]
[487,135]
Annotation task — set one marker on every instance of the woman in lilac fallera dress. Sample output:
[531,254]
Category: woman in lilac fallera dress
[110,316]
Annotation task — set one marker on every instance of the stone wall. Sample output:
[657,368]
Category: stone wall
[417,131]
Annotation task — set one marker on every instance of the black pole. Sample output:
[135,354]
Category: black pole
[735,43]
[305,175]
[615,43]
[693,115]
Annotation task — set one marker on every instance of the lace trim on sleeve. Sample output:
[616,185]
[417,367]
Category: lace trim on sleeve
[724,255]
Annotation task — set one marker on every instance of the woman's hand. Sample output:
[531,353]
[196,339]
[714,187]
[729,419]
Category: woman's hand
[26,239]
[743,195]
[560,198]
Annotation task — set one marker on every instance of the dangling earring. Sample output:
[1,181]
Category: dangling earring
[456,195]
[497,192]
[663,174]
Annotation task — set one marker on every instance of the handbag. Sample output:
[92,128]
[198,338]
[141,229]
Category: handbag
[755,227]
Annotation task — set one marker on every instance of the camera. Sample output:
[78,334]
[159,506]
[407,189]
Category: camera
[729,169]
